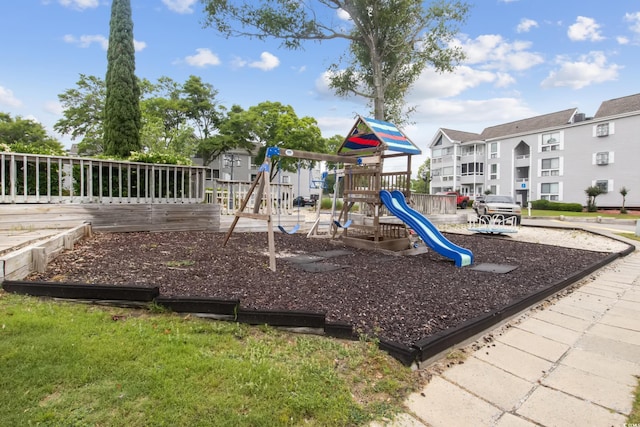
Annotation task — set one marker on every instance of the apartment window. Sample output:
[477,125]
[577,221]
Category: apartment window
[493,172]
[603,185]
[550,191]
[602,129]
[213,174]
[550,167]
[551,141]
[448,170]
[493,150]
[437,152]
[286,179]
[472,169]
[436,172]
[602,158]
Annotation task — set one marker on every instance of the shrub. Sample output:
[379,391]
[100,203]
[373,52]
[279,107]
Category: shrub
[325,203]
[556,206]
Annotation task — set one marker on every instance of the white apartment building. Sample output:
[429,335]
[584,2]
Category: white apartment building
[555,156]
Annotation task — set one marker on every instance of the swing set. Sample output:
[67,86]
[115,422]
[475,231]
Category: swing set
[261,186]
[362,153]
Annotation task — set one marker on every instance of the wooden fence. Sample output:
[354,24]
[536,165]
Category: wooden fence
[31,178]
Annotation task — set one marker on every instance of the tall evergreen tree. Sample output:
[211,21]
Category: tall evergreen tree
[122,107]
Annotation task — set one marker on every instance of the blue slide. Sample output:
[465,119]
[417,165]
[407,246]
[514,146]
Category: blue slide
[397,205]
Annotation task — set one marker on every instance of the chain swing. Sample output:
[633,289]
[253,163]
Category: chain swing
[295,229]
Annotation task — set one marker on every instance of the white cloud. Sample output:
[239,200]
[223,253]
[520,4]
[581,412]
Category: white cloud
[343,15]
[139,46]
[179,6]
[267,62]
[585,29]
[622,40]
[432,84]
[491,51]
[526,25]
[87,40]
[203,58]
[587,70]
[7,98]
[54,107]
[634,19]
[80,4]
[237,62]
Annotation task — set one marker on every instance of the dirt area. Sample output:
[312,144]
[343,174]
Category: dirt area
[400,299]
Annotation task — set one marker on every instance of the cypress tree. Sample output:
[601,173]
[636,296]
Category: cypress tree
[122,108]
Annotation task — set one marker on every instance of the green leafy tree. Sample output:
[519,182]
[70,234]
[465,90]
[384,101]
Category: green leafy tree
[122,118]
[235,131]
[623,192]
[592,192]
[390,41]
[27,136]
[83,114]
[421,183]
[165,122]
[275,124]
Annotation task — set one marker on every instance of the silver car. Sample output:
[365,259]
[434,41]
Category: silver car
[494,205]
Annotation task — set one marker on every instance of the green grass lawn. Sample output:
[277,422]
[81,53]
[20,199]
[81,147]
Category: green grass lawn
[547,213]
[74,365]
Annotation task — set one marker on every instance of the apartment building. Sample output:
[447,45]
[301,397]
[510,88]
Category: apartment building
[554,156]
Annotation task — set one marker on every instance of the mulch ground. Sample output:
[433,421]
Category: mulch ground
[399,299]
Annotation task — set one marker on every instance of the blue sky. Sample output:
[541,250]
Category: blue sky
[524,58]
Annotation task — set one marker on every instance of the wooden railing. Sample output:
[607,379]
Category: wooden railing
[433,204]
[31,178]
[230,194]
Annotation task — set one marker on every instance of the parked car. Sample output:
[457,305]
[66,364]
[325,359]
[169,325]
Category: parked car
[303,201]
[461,201]
[493,205]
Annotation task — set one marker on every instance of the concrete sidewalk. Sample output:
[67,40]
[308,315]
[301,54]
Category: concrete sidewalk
[575,362]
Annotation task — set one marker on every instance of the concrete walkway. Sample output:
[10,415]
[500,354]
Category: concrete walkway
[575,362]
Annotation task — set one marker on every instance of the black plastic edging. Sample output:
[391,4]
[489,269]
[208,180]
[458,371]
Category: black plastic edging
[339,330]
[199,305]
[406,355]
[281,318]
[82,291]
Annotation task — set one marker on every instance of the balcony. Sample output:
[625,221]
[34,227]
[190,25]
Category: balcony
[522,183]
[522,160]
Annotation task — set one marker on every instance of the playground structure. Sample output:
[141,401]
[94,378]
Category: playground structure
[493,224]
[362,155]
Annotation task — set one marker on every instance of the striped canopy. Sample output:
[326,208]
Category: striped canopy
[379,136]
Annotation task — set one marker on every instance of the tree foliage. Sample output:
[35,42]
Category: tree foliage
[122,118]
[21,135]
[421,183]
[592,192]
[83,114]
[390,41]
[276,125]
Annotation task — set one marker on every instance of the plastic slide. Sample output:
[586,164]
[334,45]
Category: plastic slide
[397,205]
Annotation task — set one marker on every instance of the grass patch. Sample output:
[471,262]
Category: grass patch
[74,364]
[549,213]
[631,236]
[634,417]
[181,263]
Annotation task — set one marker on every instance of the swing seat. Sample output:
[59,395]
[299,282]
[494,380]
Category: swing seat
[345,225]
[294,230]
